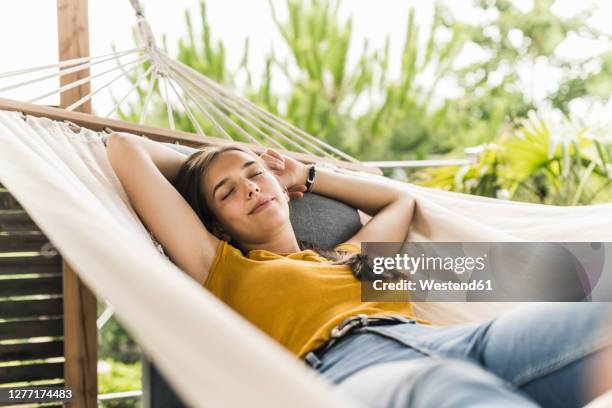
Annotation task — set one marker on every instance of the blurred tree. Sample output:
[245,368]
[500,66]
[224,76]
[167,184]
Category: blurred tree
[547,159]
[403,117]
[324,89]
[515,38]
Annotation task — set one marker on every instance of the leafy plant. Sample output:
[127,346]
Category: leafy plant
[546,159]
[118,377]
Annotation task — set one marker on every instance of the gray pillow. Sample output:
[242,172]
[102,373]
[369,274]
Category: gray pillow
[323,221]
[316,219]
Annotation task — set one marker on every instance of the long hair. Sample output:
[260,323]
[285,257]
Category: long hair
[188,182]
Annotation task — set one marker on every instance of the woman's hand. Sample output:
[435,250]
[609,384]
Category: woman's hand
[290,172]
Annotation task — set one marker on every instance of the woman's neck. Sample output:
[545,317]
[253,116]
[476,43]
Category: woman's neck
[281,243]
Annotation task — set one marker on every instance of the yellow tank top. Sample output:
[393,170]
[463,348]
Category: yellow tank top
[296,298]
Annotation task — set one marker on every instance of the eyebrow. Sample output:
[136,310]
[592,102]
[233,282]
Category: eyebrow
[226,179]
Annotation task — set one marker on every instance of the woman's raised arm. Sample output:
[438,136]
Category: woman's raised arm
[146,170]
[391,208]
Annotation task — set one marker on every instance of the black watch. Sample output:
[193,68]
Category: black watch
[312,173]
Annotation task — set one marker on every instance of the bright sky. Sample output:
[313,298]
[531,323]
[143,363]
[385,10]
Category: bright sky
[30,39]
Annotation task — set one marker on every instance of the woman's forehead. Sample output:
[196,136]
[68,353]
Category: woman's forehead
[225,163]
[231,159]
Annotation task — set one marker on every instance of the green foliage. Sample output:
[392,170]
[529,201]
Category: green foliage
[362,110]
[114,342]
[119,365]
[548,161]
[118,377]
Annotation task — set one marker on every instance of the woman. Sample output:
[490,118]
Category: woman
[311,304]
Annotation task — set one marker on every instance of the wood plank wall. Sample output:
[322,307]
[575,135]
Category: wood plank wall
[31,301]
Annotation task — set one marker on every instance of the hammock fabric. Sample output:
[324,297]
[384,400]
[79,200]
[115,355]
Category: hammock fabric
[65,182]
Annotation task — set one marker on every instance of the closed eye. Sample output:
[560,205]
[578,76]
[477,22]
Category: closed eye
[228,194]
[232,189]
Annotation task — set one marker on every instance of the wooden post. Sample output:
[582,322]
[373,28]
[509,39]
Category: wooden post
[73,42]
[80,332]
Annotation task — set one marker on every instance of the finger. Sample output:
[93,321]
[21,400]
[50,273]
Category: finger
[271,151]
[267,156]
[268,151]
[298,188]
[275,166]
[277,163]
[276,154]
[295,196]
[273,160]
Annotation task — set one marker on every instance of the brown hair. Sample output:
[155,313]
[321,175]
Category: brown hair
[188,182]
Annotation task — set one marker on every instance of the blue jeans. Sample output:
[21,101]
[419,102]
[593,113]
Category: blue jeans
[533,356]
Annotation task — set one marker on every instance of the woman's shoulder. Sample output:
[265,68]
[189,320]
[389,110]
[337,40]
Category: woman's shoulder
[225,255]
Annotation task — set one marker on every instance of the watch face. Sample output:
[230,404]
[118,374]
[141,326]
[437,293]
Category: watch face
[311,174]
[311,177]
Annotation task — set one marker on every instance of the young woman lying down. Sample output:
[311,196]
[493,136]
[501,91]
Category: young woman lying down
[222,215]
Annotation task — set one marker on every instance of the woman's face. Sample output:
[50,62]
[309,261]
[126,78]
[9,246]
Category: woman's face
[246,197]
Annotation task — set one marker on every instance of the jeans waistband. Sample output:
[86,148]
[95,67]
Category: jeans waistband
[347,326]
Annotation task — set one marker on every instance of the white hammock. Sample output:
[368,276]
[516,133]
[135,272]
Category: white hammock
[206,351]
[66,184]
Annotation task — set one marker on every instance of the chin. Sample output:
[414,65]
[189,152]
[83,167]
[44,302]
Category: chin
[276,218]
[273,220]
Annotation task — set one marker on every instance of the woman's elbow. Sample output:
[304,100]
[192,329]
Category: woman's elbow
[120,144]
[119,149]
[406,199]
[117,139]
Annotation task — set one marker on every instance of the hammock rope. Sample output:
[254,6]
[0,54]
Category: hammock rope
[87,79]
[132,89]
[147,102]
[188,111]
[239,111]
[166,96]
[91,94]
[187,86]
[61,73]
[65,63]
[202,99]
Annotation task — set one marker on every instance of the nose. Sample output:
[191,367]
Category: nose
[252,188]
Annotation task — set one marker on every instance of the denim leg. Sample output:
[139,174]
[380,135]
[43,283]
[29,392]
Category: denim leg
[543,350]
[547,350]
[431,383]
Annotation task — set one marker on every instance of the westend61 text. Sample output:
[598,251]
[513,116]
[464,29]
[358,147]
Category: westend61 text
[430,284]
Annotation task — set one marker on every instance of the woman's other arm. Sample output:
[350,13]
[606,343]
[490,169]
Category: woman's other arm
[391,208]
[146,170]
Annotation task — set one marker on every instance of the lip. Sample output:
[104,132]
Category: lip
[261,205]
